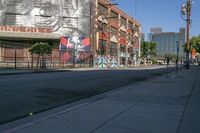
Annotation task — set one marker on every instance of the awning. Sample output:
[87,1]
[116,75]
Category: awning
[123,28]
[136,34]
[114,39]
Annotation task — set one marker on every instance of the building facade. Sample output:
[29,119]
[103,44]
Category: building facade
[23,23]
[118,37]
[169,43]
[73,27]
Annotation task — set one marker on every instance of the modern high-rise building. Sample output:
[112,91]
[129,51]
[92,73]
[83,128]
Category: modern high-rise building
[84,32]
[169,43]
[149,37]
[156,30]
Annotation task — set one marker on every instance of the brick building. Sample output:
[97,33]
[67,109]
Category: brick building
[73,27]
[117,36]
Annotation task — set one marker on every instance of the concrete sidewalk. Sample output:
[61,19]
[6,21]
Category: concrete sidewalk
[159,105]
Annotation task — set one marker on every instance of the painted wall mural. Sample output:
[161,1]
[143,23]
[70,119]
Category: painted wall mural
[74,49]
[66,17]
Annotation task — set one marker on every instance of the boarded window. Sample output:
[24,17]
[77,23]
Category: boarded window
[123,34]
[102,10]
[13,2]
[123,21]
[70,4]
[14,19]
[102,47]
[113,49]
[113,31]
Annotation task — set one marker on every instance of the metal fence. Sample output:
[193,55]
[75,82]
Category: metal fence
[13,58]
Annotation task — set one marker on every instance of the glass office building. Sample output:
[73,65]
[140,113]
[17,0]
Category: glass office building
[168,43]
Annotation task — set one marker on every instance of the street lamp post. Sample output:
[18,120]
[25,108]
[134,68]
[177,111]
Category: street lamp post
[177,56]
[15,57]
[92,18]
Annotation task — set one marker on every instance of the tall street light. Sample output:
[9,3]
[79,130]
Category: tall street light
[177,55]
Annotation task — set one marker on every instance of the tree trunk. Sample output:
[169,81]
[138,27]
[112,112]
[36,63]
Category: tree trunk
[37,61]
[145,61]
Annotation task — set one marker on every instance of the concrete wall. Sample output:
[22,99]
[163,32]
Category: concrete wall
[66,17]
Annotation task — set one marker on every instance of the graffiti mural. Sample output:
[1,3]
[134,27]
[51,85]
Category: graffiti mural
[106,62]
[74,49]
[66,17]
[101,61]
[113,62]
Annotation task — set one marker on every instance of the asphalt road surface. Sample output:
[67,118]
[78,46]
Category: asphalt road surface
[21,94]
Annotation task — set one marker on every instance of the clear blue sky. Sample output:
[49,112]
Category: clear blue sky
[161,13]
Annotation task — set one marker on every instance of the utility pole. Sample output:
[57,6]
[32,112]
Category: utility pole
[92,29]
[188,20]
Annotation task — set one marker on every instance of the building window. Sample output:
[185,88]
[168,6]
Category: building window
[136,29]
[14,19]
[10,19]
[130,37]
[171,42]
[102,47]
[113,31]
[102,10]
[162,43]
[70,4]
[167,42]
[123,21]
[114,15]
[69,22]
[123,34]
[130,25]
[113,49]
[130,50]
[13,2]
[8,54]
[41,3]
[122,48]
[102,26]
[42,20]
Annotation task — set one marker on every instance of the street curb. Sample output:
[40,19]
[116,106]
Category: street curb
[37,71]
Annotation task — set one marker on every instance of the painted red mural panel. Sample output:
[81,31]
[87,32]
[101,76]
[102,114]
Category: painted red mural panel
[103,36]
[136,46]
[74,48]
[123,41]
[130,31]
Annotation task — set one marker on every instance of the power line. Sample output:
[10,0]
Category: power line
[135,7]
